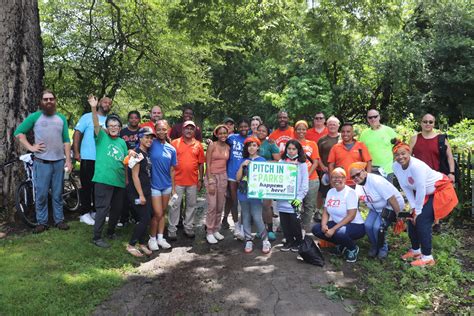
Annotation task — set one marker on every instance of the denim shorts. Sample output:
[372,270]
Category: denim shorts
[166,191]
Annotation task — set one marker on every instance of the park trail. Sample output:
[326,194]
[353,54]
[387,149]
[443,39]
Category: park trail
[195,278]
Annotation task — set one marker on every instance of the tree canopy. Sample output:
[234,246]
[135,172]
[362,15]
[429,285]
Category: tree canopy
[229,58]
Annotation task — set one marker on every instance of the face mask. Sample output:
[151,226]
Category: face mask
[292,158]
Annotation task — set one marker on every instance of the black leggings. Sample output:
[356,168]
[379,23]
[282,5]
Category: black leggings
[143,213]
[291,227]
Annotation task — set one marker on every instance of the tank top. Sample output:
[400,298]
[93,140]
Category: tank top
[219,161]
[427,151]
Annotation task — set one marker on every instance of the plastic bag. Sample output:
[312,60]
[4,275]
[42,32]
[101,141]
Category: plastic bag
[310,252]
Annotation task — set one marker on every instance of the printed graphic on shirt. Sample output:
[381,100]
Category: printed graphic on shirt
[114,152]
[237,149]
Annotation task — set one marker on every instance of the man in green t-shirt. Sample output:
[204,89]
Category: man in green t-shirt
[109,173]
[377,139]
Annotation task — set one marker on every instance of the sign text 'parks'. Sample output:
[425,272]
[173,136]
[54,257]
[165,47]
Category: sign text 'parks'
[271,180]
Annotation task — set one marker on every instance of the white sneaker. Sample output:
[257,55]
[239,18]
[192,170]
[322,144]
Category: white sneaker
[267,246]
[164,244]
[87,219]
[238,231]
[92,215]
[152,244]
[248,246]
[218,236]
[211,239]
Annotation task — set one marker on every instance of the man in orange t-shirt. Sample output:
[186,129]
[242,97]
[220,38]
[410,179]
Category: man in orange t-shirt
[348,151]
[188,177]
[283,133]
[319,129]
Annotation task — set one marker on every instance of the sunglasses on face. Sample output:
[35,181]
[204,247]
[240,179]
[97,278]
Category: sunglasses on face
[319,118]
[48,99]
[428,122]
[372,117]
[356,175]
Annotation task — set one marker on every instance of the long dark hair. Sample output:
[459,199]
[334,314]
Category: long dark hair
[301,154]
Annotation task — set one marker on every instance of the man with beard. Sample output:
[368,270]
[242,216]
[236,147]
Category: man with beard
[177,129]
[283,133]
[84,151]
[51,145]
[343,154]
[156,114]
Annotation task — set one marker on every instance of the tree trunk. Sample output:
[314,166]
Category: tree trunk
[21,75]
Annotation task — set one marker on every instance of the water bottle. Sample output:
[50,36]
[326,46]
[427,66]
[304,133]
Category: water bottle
[173,200]
[66,173]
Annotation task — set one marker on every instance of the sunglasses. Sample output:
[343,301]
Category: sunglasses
[428,122]
[356,175]
[48,99]
[318,118]
[372,117]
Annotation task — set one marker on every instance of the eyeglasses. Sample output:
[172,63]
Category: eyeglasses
[356,175]
[372,117]
[48,99]
[428,122]
[319,117]
[113,126]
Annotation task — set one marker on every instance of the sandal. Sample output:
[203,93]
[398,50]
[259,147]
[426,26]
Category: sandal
[145,250]
[134,251]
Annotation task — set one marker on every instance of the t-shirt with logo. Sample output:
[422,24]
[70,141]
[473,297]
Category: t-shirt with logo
[189,156]
[243,196]
[343,157]
[338,202]
[51,130]
[109,167]
[236,143]
[130,137]
[282,137]
[311,150]
[86,127]
[376,191]
[163,157]
[379,144]
[144,175]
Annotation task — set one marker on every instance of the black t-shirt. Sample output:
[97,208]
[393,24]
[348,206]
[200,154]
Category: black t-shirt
[130,137]
[144,175]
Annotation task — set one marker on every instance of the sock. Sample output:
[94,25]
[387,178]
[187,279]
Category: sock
[417,251]
[152,238]
[430,257]
[160,237]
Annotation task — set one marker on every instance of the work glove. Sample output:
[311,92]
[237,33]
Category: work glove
[296,204]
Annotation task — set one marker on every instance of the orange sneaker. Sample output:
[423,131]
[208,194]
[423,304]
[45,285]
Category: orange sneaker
[423,262]
[411,255]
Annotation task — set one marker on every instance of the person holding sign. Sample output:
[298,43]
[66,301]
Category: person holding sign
[290,210]
[312,161]
[251,208]
[342,223]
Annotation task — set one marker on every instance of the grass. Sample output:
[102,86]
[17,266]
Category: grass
[58,272]
[393,287]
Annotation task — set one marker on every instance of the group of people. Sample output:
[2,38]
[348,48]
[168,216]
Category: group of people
[140,167]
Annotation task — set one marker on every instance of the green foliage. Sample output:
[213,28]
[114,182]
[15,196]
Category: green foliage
[461,135]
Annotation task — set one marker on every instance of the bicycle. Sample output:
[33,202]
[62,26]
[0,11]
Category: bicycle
[25,194]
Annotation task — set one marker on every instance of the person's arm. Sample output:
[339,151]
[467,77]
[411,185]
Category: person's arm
[36,148]
[93,103]
[449,154]
[67,153]
[412,142]
[324,220]
[331,167]
[276,156]
[241,168]
[200,176]
[173,184]
[77,139]
[26,126]
[351,214]
[303,183]
[369,166]
[137,184]
[394,204]
[209,151]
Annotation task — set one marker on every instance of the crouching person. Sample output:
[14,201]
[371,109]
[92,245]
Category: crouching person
[341,222]
[109,174]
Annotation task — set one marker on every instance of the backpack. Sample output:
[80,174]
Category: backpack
[443,158]
[310,252]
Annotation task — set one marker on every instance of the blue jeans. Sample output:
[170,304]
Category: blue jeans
[48,176]
[420,233]
[372,226]
[344,236]
[251,210]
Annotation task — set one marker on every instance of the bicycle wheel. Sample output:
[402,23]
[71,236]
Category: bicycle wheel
[71,195]
[25,203]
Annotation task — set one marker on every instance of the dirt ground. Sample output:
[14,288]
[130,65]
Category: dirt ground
[197,278]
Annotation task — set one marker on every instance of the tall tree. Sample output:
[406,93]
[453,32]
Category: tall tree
[21,73]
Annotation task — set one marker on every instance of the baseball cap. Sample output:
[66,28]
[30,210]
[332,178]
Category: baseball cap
[146,130]
[228,119]
[189,123]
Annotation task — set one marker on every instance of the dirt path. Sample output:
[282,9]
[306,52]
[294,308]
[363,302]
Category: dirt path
[196,278]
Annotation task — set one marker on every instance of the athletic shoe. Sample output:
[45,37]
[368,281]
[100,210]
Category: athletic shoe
[423,262]
[211,239]
[266,246]
[152,244]
[87,219]
[272,236]
[295,247]
[101,243]
[163,244]
[351,255]
[172,236]
[238,232]
[39,229]
[373,252]
[286,247]
[411,255]
[62,226]
[383,253]
[119,224]
[248,246]
[189,233]
[218,236]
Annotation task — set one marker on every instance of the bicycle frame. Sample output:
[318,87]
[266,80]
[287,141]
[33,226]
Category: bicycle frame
[27,160]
